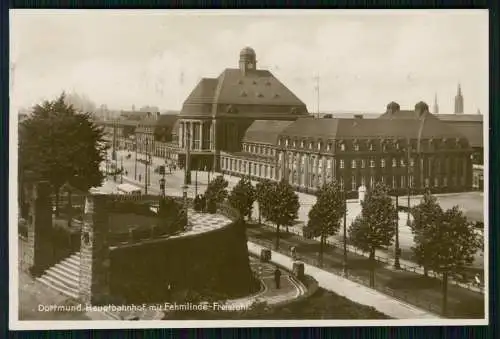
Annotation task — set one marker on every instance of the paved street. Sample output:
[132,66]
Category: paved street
[470,202]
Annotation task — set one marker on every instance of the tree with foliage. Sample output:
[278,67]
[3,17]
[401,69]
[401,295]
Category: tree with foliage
[453,243]
[326,214]
[242,197]
[216,193]
[61,146]
[262,195]
[283,206]
[375,227]
[425,215]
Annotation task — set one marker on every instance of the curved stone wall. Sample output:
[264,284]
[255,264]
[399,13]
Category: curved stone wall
[214,262]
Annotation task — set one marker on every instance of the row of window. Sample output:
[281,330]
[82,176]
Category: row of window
[361,163]
[392,181]
[356,147]
[247,167]
[259,149]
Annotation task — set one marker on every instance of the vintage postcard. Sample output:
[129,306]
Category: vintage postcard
[248,168]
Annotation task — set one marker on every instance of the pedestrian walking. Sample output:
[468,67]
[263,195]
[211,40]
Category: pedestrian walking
[293,252]
[477,280]
[277,277]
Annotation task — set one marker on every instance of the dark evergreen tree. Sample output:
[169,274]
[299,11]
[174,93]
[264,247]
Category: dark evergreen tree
[376,226]
[60,145]
[326,214]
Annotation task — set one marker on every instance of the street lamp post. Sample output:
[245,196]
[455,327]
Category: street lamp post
[135,167]
[196,181]
[187,165]
[162,186]
[397,250]
[185,200]
[121,172]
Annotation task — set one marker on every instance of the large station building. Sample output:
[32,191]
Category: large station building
[246,122]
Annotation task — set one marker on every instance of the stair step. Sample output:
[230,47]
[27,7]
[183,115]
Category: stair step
[69,265]
[60,271]
[61,282]
[73,260]
[69,270]
[63,290]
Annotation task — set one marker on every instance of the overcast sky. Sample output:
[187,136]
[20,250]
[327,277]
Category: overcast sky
[365,59]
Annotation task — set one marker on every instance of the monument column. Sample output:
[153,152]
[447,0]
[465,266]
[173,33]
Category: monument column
[94,257]
[39,253]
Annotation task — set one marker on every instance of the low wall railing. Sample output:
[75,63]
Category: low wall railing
[409,268]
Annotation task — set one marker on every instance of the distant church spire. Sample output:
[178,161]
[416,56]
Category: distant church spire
[436,106]
[459,101]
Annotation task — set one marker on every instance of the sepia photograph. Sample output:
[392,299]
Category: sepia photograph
[201,168]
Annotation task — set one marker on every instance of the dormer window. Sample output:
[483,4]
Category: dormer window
[319,146]
[311,145]
[302,144]
[356,147]
[342,147]
[371,147]
[329,147]
[286,142]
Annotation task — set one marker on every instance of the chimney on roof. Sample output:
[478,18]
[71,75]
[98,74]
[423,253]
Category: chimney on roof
[393,107]
[358,116]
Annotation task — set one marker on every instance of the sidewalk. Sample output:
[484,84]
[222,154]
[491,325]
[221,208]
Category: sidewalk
[411,288]
[386,258]
[351,290]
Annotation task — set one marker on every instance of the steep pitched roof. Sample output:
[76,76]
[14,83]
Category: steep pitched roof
[203,93]
[414,128]
[460,117]
[265,131]
[258,87]
[429,125]
[472,131]
[255,88]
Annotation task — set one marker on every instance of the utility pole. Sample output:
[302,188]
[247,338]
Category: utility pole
[408,169]
[345,232]
[121,170]
[146,171]
[317,93]
[113,155]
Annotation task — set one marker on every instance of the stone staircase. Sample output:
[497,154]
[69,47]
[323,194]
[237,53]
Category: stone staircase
[63,277]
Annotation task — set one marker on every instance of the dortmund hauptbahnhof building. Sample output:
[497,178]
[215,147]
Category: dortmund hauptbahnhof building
[246,122]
